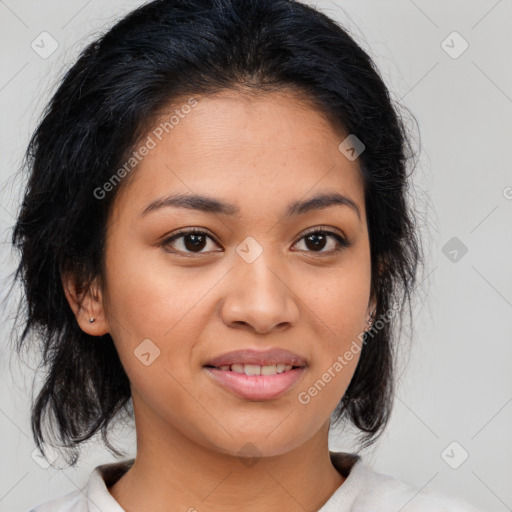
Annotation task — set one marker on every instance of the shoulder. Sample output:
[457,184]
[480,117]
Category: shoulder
[94,495]
[71,502]
[366,490]
[388,494]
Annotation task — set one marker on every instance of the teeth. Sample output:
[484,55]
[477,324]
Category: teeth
[256,369]
[252,369]
[269,370]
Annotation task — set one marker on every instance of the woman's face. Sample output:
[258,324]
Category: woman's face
[257,280]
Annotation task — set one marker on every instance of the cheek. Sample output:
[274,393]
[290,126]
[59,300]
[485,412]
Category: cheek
[147,296]
[339,309]
[330,375]
[153,317]
[340,299]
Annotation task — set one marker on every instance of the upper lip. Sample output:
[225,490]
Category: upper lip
[260,357]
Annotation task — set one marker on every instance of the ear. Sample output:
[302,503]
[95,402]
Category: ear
[370,310]
[86,304]
[372,305]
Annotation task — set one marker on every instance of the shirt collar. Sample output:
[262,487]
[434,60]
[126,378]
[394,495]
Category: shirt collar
[99,498]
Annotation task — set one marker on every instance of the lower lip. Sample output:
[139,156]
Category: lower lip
[256,387]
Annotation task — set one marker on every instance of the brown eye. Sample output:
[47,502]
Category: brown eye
[190,241]
[194,241]
[318,240]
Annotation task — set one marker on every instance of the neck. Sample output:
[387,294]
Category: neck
[174,473]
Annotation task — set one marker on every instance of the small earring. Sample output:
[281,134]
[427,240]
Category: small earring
[370,321]
[91,320]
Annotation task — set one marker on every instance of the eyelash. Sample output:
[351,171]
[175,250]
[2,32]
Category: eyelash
[343,243]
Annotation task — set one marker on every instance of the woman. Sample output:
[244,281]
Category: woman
[216,232]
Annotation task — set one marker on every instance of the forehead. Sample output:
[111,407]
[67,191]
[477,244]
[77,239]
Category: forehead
[256,151]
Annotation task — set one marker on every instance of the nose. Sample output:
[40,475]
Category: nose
[259,297]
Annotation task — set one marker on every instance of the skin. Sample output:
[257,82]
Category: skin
[259,153]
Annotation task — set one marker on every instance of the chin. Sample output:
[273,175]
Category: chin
[252,445]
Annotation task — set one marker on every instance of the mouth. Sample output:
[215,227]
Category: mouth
[250,360]
[255,369]
[255,375]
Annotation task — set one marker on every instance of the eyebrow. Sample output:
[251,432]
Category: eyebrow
[212,205]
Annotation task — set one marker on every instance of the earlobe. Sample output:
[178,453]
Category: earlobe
[372,307]
[371,313]
[86,304]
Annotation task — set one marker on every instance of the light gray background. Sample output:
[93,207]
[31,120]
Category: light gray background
[456,384]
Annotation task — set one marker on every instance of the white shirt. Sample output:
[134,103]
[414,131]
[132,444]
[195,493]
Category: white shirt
[364,490]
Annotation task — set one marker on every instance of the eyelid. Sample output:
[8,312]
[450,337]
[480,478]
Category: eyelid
[324,229]
[185,231]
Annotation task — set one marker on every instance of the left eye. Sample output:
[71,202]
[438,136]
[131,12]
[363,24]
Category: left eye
[318,239]
[194,240]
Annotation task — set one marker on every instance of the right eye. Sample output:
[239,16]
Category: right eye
[192,241]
